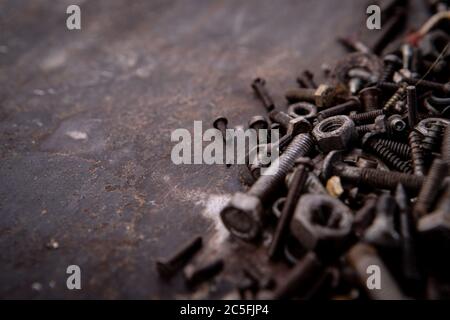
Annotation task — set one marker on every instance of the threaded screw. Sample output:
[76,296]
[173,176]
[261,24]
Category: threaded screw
[390,158]
[378,178]
[366,117]
[417,155]
[259,86]
[399,148]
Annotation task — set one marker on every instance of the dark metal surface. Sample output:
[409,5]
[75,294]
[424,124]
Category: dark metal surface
[85,123]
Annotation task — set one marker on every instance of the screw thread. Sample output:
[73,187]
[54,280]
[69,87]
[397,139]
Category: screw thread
[389,157]
[339,109]
[366,117]
[365,128]
[300,146]
[389,180]
[417,155]
[399,148]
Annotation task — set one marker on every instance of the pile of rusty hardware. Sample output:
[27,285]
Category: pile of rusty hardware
[359,202]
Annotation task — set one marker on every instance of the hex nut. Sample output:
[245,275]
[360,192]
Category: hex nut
[304,110]
[321,222]
[243,216]
[334,133]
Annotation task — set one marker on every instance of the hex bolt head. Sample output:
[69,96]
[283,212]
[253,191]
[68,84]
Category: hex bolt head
[334,133]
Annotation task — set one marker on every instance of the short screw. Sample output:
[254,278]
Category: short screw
[167,268]
[411,101]
[396,97]
[259,86]
[221,124]
[366,117]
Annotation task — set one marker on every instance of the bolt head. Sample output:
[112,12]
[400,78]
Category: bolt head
[243,216]
[220,120]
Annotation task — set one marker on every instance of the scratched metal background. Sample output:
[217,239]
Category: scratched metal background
[85,123]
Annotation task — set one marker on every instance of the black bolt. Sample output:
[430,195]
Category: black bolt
[220,124]
[411,101]
[431,187]
[295,188]
[280,117]
[370,98]
[194,276]
[167,268]
[343,108]
[259,86]
[417,155]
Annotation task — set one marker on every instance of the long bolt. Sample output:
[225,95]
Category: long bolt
[388,156]
[259,86]
[167,268]
[411,101]
[244,215]
[295,188]
[430,187]
[399,148]
[300,146]
[391,63]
